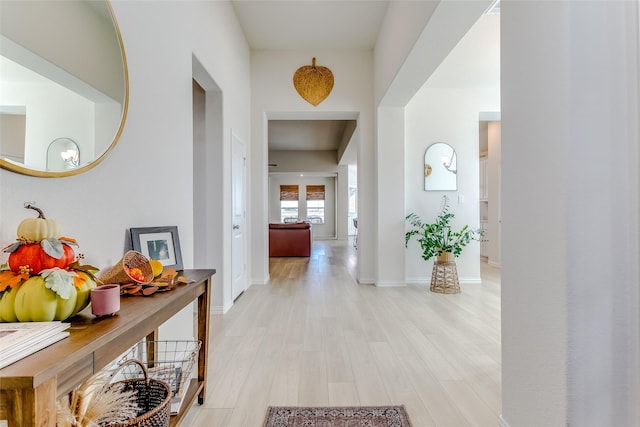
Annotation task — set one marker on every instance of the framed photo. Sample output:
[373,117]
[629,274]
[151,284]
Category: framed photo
[159,243]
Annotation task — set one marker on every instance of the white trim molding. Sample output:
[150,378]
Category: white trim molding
[390,284]
[366,281]
[218,309]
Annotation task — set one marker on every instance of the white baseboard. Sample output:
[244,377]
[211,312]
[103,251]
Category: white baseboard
[366,281]
[502,422]
[219,309]
[227,307]
[493,264]
[260,282]
[418,282]
[390,284]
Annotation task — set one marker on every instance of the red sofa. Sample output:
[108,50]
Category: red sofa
[293,239]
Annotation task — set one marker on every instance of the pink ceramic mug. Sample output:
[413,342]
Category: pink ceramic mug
[105,300]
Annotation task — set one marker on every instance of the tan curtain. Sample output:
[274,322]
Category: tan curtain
[289,192]
[315,192]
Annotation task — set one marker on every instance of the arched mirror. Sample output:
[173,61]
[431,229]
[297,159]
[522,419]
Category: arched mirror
[440,168]
[63,154]
[63,77]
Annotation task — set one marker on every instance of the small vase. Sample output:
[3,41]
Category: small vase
[105,300]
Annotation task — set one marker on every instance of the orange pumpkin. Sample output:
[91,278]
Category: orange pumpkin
[33,256]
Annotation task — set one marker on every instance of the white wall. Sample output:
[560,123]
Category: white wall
[451,116]
[447,109]
[342,203]
[390,193]
[570,131]
[393,46]
[414,40]
[445,29]
[274,97]
[147,179]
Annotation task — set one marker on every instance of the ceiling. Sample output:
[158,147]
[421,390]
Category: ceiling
[343,24]
[307,134]
[309,24]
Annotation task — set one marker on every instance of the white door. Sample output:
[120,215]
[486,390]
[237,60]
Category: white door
[238,237]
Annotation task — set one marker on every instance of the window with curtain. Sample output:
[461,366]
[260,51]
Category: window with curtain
[289,196]
[315,204]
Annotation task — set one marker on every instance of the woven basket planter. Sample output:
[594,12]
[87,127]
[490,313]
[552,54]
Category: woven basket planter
[444,276]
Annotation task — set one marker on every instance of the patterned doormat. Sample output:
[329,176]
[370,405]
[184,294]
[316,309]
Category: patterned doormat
[362,416]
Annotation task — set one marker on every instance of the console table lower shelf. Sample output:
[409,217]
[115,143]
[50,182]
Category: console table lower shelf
[30,387]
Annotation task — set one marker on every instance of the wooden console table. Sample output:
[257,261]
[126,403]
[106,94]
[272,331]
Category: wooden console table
[30,387]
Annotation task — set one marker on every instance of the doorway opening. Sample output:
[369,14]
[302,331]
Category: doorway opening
[208,218]
[317,155]
[490,187]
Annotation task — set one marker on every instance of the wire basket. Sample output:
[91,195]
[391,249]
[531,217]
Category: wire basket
[168,361]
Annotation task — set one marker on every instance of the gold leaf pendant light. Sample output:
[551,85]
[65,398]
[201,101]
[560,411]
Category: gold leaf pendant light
[313,83]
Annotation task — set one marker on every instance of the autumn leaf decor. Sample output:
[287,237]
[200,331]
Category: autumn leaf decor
[10,280]
[313,82]
[43,279]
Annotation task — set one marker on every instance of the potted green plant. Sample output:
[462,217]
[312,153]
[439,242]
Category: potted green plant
[437,239]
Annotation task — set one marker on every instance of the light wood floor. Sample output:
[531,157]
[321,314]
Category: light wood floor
[313,336]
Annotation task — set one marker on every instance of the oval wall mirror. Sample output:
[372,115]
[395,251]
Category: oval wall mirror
[63,75]
[440,168]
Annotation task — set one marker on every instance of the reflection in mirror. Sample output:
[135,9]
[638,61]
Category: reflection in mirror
[63,154]
[67,80]
[440,168]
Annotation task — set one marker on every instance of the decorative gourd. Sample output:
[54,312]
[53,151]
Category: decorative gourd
[36,259]
[40,228]
[44,281]
[34,302]
[7,310]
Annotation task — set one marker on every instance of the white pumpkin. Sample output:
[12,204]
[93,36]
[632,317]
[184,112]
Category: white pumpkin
[38,229]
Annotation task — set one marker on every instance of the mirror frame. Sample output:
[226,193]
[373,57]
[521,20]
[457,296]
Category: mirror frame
[21,169]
